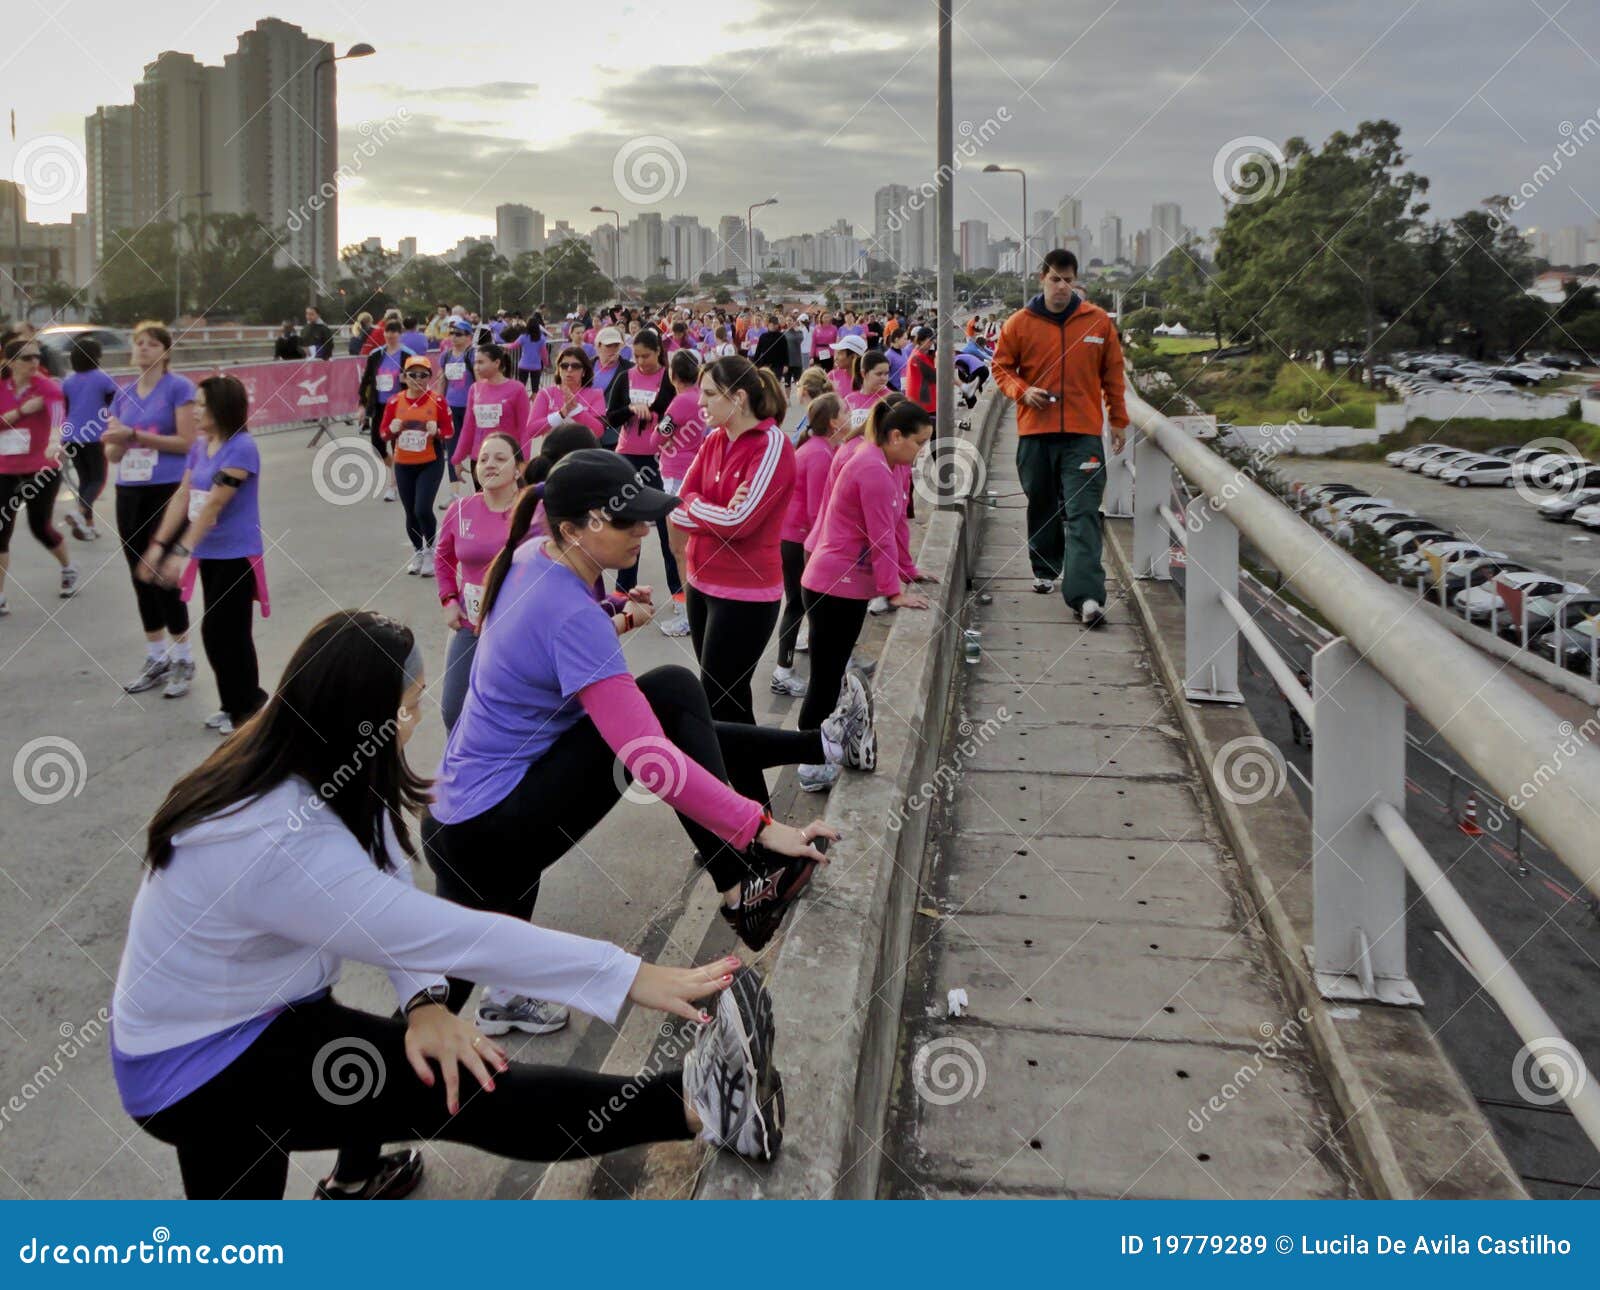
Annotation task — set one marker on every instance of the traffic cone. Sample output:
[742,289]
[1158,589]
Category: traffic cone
[1469,818]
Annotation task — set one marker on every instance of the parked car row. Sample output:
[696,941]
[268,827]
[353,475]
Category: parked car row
[1561,618]
[1504,467]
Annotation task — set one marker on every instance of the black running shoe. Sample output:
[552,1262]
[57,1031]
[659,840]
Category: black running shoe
[764,899]
[398,1175]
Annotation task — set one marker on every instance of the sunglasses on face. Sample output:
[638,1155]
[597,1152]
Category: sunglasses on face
[570,367]
[416,374]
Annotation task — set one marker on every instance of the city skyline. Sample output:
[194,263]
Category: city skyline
[555,144]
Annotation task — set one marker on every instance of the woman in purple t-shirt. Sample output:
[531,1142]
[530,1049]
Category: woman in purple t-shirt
[147,439]
[212,528]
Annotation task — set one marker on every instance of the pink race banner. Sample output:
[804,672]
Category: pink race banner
[292,392]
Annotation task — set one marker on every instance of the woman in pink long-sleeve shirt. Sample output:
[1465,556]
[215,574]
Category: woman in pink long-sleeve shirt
[495,402]
[470,536]
[572,397]
[856,557]
[827,422]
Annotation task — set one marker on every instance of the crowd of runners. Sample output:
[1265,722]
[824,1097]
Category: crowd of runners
[564,444]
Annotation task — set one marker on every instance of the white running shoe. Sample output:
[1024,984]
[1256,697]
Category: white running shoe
[1044,586]
[849,726]
[427,562]
[1090,614]
[675,623]
[531,1016]
[878,605]
[817,779]
[391,496]
[729,1077]
[415,567]
[786,681]
[217,720]
[75,523]
[69,581]
[180,675]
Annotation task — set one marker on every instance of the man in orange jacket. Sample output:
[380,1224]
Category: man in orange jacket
[1060,359]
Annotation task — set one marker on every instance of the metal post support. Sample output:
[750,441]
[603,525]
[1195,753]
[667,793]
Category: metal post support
[1152,544]
[1210,636]
[1358,880]
[1118,500]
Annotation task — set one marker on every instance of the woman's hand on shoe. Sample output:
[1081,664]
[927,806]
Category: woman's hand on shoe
[787,840]
[433,1031]
[678,990]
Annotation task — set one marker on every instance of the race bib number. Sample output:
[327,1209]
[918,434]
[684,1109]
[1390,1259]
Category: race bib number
[640,399]
[489,415]
[197,501]
[858,417]
[471,600]
[13,442]
[385,382]
[456,370]
[824,352]
[138,466]
[413,440]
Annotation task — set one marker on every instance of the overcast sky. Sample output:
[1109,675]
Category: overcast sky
[1122,104]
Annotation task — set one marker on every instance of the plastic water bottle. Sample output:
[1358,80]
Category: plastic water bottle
[972,642]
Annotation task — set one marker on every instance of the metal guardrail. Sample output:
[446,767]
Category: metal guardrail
[1386,656]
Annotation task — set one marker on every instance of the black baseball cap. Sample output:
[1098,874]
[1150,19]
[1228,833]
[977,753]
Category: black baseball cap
[594,479]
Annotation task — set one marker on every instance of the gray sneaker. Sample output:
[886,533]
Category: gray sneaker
[817,779]
[153,674]
[531,1016]
[180,672]
[69,581]
[729,1078]
[850,724]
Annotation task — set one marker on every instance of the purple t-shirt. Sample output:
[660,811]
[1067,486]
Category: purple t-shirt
[88,396]
[415,341]
[543,642]
[386,376]
[238,528]
[458,378]
[155,1081]
[155,413]
[530,357]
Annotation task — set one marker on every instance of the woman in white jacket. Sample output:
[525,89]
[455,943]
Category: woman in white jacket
[287,851]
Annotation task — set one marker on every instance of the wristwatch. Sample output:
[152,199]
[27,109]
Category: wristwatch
[439,994]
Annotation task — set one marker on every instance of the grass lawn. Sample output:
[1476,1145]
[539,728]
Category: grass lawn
[1263,390]
[1181,344]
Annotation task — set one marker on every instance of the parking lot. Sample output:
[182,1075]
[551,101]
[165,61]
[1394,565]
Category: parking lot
[1496,518]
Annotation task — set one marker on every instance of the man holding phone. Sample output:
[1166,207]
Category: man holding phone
[1060,359]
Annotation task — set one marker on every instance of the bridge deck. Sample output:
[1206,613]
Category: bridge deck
[1126,1033]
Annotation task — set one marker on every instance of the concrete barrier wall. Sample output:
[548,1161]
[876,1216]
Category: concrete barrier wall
[1297,440]
[1442,405]
[839,977]
[1591,410]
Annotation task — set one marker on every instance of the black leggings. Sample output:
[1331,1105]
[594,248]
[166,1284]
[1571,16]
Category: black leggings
[835,627]
[418,486]
[139,511]
[37,494]
[225,632]
[494,860]
[794,608]
[89,467]
[292,1090]
[647,470]
[729,637]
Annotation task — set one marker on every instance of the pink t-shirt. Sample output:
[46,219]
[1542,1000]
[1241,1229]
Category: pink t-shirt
[470,536]
[822,337]
[639,435]
[861,405]
[22,445]
[845,451]
[855,555]
[902,525]
[678,448]
[841,382]
[547,405]
[491,406]
[811,461]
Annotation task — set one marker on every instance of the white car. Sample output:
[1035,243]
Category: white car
[1537,371]
[1587,516]
[1480,602]
[1555,471]
[1416,564]
[1402,456]
[1414,460]
[1345,528]
[1435,464]
[1530,465]
[1479,471]
[1344,508]
[1564,506]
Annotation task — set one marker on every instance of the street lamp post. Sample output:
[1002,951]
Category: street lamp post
[750,242]
[361,50]
[177,250]
[616,248]
[1023,263]
[945,396]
